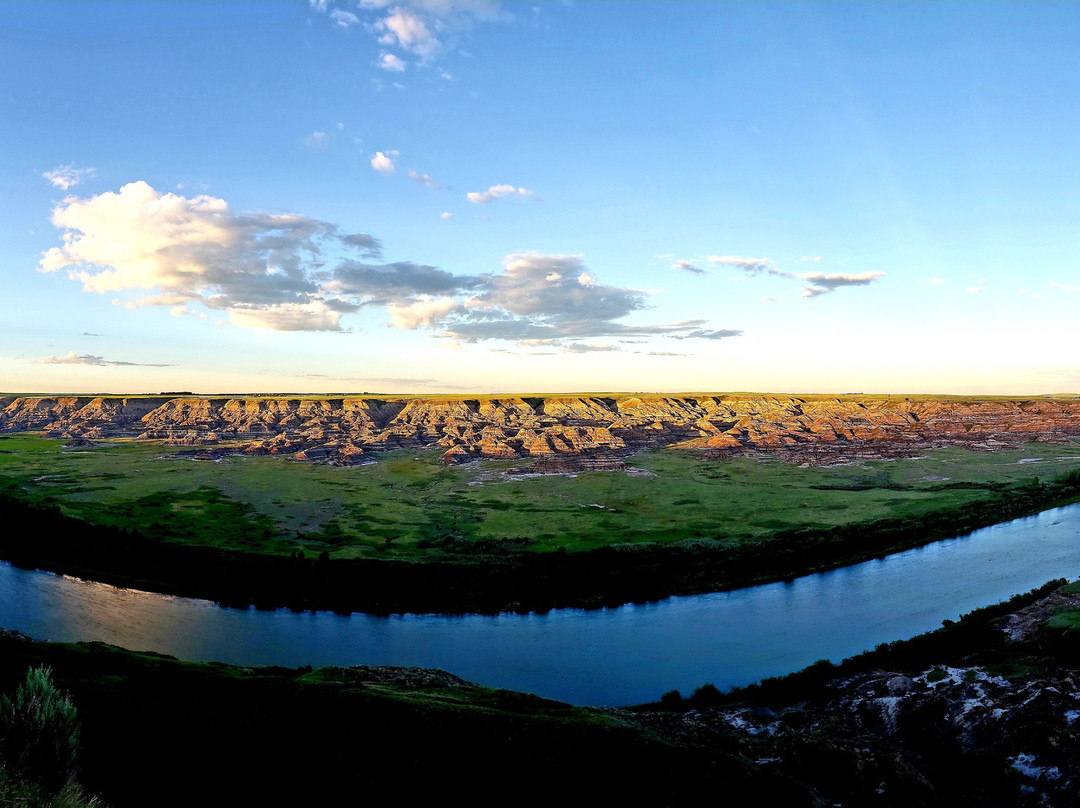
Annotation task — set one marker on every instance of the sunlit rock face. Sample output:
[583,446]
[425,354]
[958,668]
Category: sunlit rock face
[807,429]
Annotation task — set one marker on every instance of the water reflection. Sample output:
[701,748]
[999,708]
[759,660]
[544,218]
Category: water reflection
[608,656]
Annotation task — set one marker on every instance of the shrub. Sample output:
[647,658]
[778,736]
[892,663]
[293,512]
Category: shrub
[39,732]
[708,693]
[673,698]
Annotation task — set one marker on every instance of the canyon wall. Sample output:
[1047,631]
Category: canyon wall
[807,429]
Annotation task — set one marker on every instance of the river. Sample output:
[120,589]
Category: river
[615,656]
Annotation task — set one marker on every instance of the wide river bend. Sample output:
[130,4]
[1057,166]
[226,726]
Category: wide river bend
[616,656]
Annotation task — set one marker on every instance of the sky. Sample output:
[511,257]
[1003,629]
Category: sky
[469,196]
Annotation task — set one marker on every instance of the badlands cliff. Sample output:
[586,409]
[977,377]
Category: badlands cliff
[806,429]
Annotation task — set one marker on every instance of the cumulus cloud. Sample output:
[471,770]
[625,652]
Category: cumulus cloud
[423,179]
[317,140]
[397,283]
[256,267]
[408,30]
[821,283]
[289,272]
[383,162]
[546,297]
[65,177]
[446,216]
[498,192]
[72,358]
[391,63]
[427,312]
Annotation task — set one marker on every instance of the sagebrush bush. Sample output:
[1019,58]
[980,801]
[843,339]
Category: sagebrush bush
[39,732]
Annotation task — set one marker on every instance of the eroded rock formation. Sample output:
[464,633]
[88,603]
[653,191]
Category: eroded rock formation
[807,429]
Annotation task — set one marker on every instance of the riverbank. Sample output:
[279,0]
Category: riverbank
[526,582]
[981,712]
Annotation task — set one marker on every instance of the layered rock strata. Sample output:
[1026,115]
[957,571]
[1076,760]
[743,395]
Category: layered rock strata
[818,430]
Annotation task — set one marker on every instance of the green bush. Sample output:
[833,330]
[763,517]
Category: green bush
[39,732]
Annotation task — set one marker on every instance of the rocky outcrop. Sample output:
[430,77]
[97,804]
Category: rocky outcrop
[806,429]
[992,720]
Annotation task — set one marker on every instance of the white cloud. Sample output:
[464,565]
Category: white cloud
[317,140]
[684,265]
[587,347]
[391,63]
[498,192]
[343,19]
[423,179]
[257,267]
[811,259]
[1065,287]
[406,29]
[754,266]
[424,29]
[446,216]
[288,272]
[65,177]
[383,162]
[546,297]
[821,283]
[427,312]
[72,358]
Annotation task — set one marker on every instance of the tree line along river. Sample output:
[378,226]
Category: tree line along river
[613,656]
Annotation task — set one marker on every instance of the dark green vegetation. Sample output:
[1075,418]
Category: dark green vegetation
[274,532]
[39,746]
[160,732]
[409,505]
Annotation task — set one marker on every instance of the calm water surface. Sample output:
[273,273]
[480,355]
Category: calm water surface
[618,656]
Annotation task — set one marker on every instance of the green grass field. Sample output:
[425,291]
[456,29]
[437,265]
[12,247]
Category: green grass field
[408,505]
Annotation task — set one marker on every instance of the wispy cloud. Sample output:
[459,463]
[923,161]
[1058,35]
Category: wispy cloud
[65,177]
[498,192]
[72,358]
[586,347]
[822,283]
[811,259]
[753,266]
[317,140]
[1065,287]
[423,179]
[423,30]
[684,265]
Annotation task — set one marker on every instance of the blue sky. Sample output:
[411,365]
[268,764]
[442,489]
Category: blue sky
[488,197]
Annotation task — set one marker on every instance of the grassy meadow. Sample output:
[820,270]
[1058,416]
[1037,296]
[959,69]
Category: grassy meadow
[409,505]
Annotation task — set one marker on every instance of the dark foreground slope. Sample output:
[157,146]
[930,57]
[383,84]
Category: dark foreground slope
[160,732]
[981,713]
